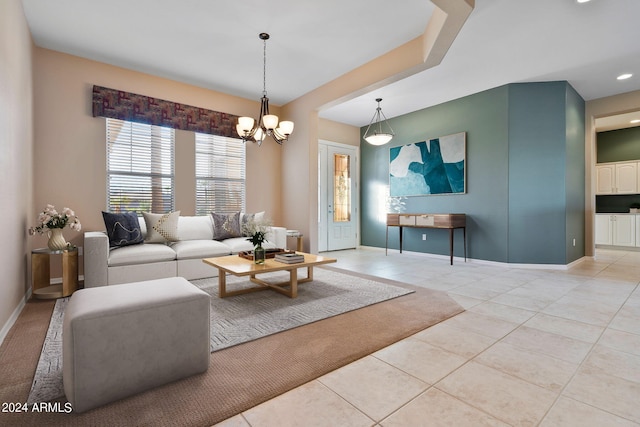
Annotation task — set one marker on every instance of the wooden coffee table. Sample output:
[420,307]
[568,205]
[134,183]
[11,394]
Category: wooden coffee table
[233,264]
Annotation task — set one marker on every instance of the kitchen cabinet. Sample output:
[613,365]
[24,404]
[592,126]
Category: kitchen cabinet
[604,233]
[616,229]
[617,178]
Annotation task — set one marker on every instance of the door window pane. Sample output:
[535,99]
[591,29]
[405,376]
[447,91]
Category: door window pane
[341,188]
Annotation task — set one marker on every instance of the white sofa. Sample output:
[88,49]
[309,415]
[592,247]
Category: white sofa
[147,261]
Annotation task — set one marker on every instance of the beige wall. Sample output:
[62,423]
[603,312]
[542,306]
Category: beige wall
[597,108]
[68,144]
[16,150]
[338,132]
[300,176]
[70,153]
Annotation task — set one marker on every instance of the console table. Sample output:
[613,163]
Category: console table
[446,221]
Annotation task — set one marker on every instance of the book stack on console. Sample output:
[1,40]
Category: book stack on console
[289,258]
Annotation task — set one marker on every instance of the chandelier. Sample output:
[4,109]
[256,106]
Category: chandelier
[267,124]
[378,135]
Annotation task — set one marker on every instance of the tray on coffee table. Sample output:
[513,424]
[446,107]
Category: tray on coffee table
[269,253]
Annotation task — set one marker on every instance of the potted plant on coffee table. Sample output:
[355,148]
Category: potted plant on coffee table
[257,232]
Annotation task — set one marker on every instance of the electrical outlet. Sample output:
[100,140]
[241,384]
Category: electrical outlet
[424,237]
[574,242]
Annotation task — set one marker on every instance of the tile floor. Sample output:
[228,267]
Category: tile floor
[534,348]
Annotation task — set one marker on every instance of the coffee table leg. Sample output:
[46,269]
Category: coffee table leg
[222,284]
[293,279]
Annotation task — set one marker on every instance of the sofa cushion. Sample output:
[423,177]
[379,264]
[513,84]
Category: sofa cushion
[161,228]
[195,227]
[187,249]
[139,254]
[122,228]
[239,244]
[226,225]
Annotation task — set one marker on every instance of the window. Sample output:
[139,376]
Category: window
[220,174]
[140,167]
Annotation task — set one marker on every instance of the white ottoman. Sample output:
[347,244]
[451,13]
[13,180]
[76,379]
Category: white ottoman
[124,339]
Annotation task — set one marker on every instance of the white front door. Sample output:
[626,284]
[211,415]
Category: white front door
[338,198]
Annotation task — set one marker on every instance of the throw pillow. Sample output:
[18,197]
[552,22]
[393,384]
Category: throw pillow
[247,218]
[161,228]
[123,228]
[226,226]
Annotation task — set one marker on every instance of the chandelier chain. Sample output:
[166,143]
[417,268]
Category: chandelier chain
[264,67]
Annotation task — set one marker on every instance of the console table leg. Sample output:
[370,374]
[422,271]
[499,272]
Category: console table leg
[386,242]
[451,246]
[464,238]
[400,239]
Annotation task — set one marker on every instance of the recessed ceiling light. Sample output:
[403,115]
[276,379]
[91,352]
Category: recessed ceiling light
[624,76]
[582,1]
[635,121]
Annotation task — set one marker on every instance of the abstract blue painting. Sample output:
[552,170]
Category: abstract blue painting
[436,166]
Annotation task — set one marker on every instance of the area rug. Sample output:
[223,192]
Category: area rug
[238,319]
[239,377]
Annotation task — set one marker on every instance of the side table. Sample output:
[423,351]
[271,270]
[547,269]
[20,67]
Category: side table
[41,271]
[298,235]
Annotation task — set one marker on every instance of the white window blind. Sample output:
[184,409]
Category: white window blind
[140,167]
[220,174]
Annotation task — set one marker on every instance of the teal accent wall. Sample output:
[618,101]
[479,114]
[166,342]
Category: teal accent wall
[575,175]
[618,145]
[546,173]
[525,176]
[484,118]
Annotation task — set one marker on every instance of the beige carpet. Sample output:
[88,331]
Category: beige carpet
[238,377]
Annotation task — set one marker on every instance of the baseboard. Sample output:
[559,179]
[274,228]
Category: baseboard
[14,316]
[425,254]
[58,280]
[579,260]
[619,248]
[486,262]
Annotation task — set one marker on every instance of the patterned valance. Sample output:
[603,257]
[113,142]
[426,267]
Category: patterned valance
[116,104]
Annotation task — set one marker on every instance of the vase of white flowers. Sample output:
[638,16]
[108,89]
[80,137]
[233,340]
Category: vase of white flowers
[257,232]
[52,223]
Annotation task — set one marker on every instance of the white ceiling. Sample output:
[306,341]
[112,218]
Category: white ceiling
[618,121]
[215,44]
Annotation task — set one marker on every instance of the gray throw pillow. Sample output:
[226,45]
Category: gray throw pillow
[246,220]
[226,226]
